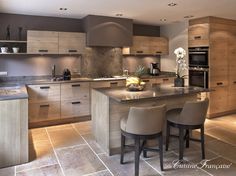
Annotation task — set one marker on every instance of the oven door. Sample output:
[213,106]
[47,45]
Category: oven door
[199,58]
[198,78]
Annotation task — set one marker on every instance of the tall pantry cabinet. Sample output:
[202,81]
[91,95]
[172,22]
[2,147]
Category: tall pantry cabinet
[220,35]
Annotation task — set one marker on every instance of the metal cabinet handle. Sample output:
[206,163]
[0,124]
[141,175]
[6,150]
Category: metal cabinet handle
[165,79]
[42,50]
[219,83]
[72,51]
[44,106]
[139,51]
[76,102]
[45,87]
[113,82]
[75,85]
[146,80]
[197,37]
[234,82]
[158,52]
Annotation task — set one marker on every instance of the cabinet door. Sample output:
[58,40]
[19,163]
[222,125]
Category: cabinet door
[218,61]
[218,100]
[42,42]
[75,108]
[71,42]
[44,92]
[44,111]
[78,90]
[158,46]
[198,35]
[140,45]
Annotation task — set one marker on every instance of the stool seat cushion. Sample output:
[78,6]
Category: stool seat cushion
[173,115]
[123,123]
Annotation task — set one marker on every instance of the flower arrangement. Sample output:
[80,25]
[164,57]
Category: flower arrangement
[181,65]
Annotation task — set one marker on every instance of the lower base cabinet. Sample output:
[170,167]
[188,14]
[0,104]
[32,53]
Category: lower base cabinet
[45,111]
[75,108]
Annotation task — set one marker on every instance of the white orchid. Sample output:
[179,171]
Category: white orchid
[180,62]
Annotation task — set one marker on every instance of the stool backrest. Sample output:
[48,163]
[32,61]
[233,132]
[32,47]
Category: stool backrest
[146,120]
[194,112]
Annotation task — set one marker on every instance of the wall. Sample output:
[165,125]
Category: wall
[98,61]
[178,37]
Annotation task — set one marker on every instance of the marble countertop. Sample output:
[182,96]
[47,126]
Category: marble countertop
[121,94]
[12,92]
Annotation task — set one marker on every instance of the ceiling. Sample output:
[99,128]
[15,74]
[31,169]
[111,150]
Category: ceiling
[142,11]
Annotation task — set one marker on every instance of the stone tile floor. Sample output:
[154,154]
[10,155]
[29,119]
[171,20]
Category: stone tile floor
[70,150]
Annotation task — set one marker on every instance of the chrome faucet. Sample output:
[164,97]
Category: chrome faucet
[54,71]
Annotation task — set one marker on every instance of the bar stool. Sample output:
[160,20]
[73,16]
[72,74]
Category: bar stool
[142,123]
[191,116]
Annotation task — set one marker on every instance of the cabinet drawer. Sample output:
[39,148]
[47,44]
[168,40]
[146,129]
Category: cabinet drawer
[44,111]
[74,90]
[75,108]
[44,92]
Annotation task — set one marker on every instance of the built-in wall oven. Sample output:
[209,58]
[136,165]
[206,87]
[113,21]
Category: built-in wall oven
[198,67]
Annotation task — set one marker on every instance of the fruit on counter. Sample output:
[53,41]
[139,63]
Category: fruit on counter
[132,80]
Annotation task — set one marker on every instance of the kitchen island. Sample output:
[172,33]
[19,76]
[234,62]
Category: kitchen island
[109,105]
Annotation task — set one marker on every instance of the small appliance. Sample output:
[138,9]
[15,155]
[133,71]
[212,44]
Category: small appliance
[154,69]
[66,74]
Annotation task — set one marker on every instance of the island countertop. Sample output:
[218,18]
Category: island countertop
[121,94]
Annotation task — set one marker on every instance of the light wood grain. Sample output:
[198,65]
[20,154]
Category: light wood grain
[71,43]
[198,35]
[13,132]
[42,42]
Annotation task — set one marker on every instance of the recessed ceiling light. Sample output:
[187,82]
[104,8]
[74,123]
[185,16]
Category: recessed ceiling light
[189,16]
[172,4]
[119,14]
[62,8]
[163,19]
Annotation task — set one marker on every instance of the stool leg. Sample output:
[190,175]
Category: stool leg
[122,149]
[181,143]
[161,151]
[187,138]
[137,154]
[167,135]
[202,142]
[144,151]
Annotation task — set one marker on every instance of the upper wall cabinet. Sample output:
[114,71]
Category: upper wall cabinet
[144,45]
[52,42]
[42,42]
[198,35]
[71,42]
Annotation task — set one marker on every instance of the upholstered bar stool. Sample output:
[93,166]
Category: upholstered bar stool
[191,116]
[142,123]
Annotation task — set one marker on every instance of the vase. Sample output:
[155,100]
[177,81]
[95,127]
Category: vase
[179,82]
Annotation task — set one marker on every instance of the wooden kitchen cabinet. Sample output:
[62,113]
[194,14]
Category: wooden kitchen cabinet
[71,43]
[46,111]
[198,35]
[44,102]
[145,45]
[44,42]
[220,35]
[104,84]
[75,99]
[44,92]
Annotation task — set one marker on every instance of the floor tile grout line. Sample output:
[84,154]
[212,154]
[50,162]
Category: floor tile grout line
[93,151]
[95,172]
[33,168]
[68,147]
[55,152]
[152,167]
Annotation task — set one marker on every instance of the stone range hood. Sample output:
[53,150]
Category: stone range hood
[108,31]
